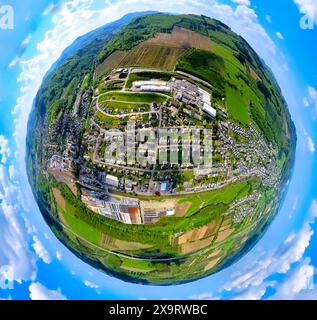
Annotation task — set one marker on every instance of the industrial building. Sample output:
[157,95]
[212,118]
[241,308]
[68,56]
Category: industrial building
[210,110]
[126,211]
[152,86]
[112,181]
[153,216]
[206,102]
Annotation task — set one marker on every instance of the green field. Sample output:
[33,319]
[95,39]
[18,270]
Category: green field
[69,87]
[225,195]
[237,107]
[205,65]
[205,207]
[142,76]
[113,61]
[137,264]
[138,31]
[85,83]
[78,226]
[110,121]
[110,86]
[54,110]
[133,97]
[121,106]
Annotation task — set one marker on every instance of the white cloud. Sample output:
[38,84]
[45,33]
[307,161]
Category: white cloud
[306,102]
[253,293]
[294,207]
[299,279]
[12,173]
[247,21]
[280,36]
[14,62]
[52,8]
[58,256]
[312,92]
[17,59]
[39,292]
[27,40]
[311,99]
[48,9]
[308,8]
[4,149]
[307,294]
[285,67]
[40,250]
[268,18]
[14,253]
[202,296]
[310,144]
[91,285]
[243,2]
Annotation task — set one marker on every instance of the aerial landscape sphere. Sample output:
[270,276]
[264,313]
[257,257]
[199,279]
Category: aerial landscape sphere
[159,148]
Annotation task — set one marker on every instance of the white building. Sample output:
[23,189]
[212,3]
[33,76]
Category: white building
[112,181]
[170,213]
[164,187]
[152,86]
[206,102]
[210,110]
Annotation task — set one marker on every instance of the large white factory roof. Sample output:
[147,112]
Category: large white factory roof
[154,82]
[152,85]
[206,99]
[206,96]
[155,88]
[209,109]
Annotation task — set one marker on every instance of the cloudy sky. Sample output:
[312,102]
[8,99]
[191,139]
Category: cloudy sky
[35,265]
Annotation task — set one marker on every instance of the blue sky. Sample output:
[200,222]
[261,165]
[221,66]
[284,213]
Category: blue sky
[282,264]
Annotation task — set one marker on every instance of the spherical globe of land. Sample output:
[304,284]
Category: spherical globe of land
[160,153]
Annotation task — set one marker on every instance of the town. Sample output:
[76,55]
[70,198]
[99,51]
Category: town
[181,143]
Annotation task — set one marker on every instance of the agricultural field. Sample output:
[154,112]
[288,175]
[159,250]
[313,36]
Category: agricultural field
[160,52]
[115,244]
[105,118]
[206,222]
[153,56]
[54,112]
[113,61]
[237,107]
[110,86]
[181,38]
[131,97]
[67,214]
[205,65]
[225,195]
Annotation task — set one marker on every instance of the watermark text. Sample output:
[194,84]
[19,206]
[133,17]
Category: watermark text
[6,17]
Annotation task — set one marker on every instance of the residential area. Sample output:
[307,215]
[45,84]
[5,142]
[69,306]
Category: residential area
[142,141]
